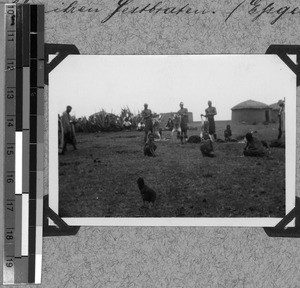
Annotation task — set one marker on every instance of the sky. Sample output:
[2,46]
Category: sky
[112,82]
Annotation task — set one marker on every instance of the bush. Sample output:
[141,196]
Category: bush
[107,122]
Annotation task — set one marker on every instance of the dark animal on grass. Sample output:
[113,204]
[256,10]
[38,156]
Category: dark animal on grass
[207,149]
[278,143]
[150,147]
[148,195]
[194,139]
[265,144]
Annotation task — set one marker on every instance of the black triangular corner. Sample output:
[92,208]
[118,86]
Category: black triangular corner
[62,228]
[62,51]
[283,51]
[280,230]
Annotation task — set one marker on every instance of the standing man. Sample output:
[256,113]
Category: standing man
[281,118]
[210,112]
[183,113]
[69,129]
[147,119]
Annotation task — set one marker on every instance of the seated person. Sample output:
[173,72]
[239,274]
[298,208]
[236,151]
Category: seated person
[254,147]
[227,133]
[170,124]
[141,126]
[206,146]
[127,124]
[150,147]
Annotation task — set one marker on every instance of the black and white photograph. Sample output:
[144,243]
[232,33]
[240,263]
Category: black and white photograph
[172,140]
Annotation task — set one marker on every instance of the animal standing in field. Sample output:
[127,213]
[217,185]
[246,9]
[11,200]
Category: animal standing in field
[148,194]
[150,147]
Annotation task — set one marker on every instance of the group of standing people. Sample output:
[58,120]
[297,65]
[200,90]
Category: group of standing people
[148,117]
[253,147]
[210,113]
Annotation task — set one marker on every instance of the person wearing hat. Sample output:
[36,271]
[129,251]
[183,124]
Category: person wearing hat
[183,113]
[147,119]
[210,113]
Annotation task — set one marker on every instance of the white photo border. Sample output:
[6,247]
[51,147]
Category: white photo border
[290,163]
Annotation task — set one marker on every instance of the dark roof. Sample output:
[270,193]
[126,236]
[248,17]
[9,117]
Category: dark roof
[250,104]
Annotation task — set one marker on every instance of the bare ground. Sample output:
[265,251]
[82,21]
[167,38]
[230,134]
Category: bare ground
[99,179]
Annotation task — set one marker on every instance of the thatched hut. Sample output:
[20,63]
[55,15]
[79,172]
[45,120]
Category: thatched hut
[251,112]
[274,110]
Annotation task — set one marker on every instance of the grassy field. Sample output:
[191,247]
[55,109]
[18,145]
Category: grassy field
[99,179]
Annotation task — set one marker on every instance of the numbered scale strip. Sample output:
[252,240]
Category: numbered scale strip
[10,144]
[24,142]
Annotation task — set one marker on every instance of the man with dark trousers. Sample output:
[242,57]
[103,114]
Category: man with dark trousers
[210,113]
[69,129]
[147,119]
[183,113]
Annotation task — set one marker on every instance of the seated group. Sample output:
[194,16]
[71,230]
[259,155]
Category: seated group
[254,147]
